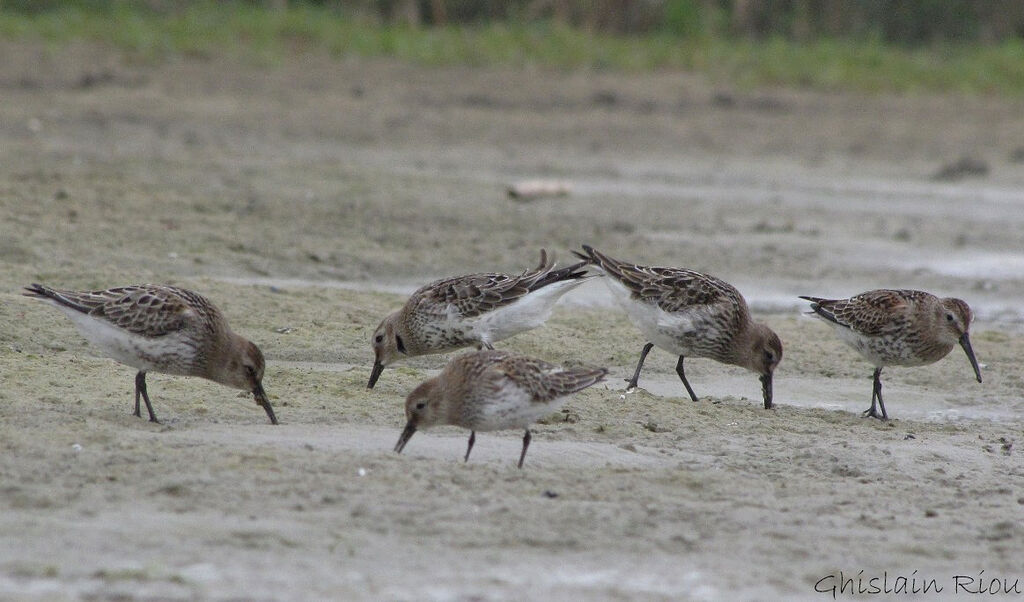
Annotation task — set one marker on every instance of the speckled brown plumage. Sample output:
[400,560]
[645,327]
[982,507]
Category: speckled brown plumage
[163,329]
[690,314]
[471,310]
[493,390]
[890,327]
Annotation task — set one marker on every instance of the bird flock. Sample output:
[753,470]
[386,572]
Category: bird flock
[687,313]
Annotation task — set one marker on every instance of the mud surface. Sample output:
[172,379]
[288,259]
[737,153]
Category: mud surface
[306,197]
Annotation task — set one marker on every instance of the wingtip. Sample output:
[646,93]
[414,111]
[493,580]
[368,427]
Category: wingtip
[814,301]
[543,259]
[34,290]
[578,271]
[588,377]
[587,255]
[819,310]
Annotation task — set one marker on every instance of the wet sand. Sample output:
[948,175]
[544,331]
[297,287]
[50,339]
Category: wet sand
[305,198]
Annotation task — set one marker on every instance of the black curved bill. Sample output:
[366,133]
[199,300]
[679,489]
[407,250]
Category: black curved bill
[375,374]
[410,428]
[766,390]
[261,398]
[965,342]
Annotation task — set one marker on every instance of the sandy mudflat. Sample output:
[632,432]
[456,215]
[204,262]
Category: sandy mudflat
[306,197]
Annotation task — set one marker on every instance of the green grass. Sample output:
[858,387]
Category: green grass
[206,29]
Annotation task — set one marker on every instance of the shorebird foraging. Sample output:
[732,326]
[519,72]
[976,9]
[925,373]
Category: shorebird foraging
[690,314]
[163,329]
[898,328]
[473,310]
[493,390]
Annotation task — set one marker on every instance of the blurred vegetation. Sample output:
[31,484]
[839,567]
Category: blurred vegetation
[972,46]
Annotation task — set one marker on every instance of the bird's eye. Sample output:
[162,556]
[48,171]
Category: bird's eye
[949,317]
[420,405]
[378,339]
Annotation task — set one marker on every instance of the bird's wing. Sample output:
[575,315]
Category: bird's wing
[671,289]
[149,311]
[872,313]
[545,381]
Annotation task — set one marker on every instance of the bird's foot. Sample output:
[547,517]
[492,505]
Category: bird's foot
[873,413]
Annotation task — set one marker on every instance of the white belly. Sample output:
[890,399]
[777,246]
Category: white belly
[529,312]
[512,409]
[666,330]
[169,353]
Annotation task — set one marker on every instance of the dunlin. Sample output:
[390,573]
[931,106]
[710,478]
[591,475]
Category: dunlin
[493,390]
[690,314]
[898,328]
[162,329]
[473,310]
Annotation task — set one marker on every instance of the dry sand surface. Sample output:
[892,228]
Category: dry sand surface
[306,197]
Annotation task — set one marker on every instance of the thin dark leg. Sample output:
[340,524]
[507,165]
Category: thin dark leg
[876,393]
[140,387]
[472,440]
[140,377]
[636,375]
[526,443]
[682,376]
